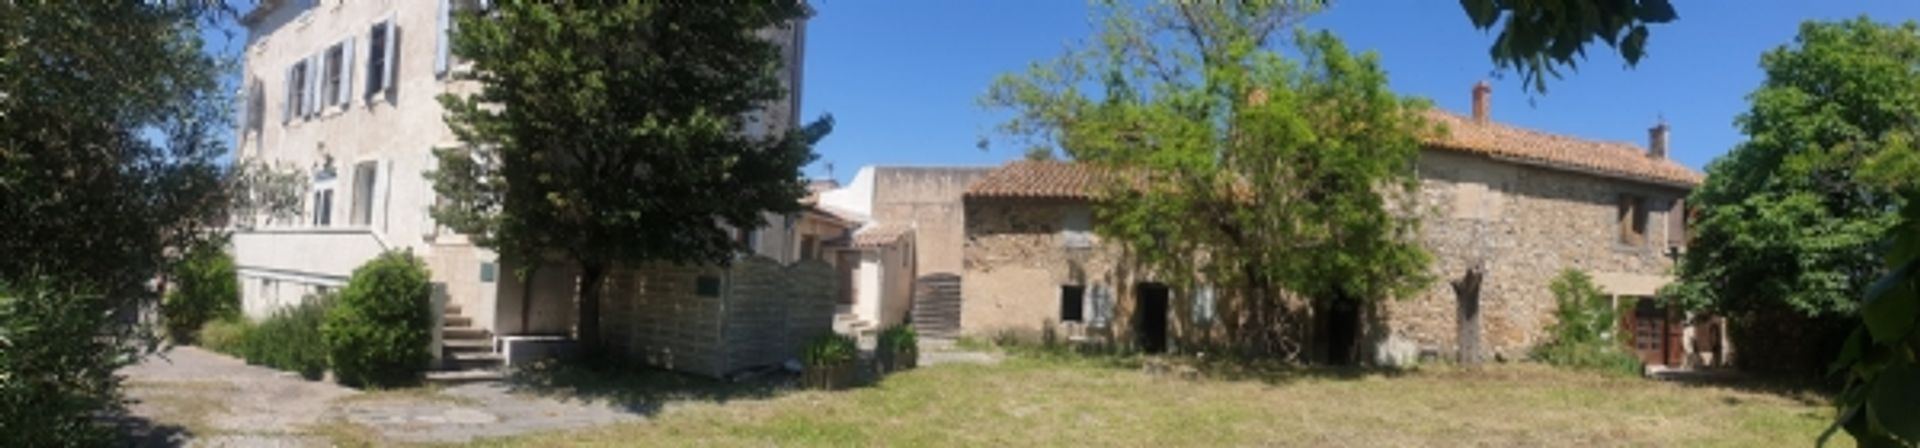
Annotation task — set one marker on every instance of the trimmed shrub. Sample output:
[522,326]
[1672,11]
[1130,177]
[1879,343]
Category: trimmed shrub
[291,339]
[377,335]
[227,336]
[1585,335]
[898,349]
[829,361]
[205,289]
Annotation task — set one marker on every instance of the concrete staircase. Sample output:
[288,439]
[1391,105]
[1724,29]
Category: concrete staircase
[936,306]
[466,352]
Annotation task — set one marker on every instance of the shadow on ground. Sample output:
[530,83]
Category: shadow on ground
[643,390]
[140,432]
[1807,391]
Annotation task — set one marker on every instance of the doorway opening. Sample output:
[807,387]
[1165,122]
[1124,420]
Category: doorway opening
[1150,316]
[1343,331]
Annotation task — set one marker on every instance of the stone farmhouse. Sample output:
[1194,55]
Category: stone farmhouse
[344,92]
[1519,204]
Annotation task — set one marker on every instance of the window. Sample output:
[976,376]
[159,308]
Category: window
[1677,224]
[749,239]
[807,249]
[380,58]
[444,60]
[1073,303]
[337,87]
[330,87]
[365,178]
[1076,228]
[488,271]
[323,207]
[296,92]
[1633,220]
[256,114]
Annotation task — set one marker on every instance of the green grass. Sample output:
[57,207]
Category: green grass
[1065,400]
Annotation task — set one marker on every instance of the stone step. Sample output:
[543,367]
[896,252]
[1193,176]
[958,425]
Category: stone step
[451,309]
[458,321]
[467,345]
[453,332]
[453,377]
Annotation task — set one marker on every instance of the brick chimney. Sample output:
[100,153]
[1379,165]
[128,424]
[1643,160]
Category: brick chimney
[1657,141]
[1482,103]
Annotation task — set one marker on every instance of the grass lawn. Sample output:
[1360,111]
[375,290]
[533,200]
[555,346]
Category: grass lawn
[1051,401]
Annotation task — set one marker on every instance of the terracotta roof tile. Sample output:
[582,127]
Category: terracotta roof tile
[1610,159]
[878,235]
[1028,179]
[1065,180]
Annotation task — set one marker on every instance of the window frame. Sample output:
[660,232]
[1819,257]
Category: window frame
[381,64]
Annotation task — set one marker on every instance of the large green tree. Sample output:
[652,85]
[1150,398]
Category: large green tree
[1789,219]
[1232,163]
[612,132]
[110,121]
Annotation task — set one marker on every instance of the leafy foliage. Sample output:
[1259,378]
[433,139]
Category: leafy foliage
[830,350]
[261,191]
[206,288]
[1285,173]
[228,336]
[1542,35]
[56,376]
[898,348]
[1585,328]
[1881,359]
[110,120]
[291,339]
[598,125]
[379,333]
[1789,219]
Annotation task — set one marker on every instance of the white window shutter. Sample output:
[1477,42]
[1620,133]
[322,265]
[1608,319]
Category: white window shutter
[346,72]
[387,75]
[314,69]
[286,104]
[1100,306]
[446,39]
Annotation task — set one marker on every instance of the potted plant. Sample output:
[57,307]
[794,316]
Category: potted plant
[829,360]
[898,349]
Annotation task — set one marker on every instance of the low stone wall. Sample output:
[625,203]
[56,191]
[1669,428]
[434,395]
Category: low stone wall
[757,313]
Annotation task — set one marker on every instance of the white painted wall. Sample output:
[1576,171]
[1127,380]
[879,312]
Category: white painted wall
[856,197]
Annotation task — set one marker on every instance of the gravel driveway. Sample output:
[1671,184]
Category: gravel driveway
[214,400]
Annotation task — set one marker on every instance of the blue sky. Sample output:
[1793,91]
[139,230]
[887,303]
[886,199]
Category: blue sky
[902,78]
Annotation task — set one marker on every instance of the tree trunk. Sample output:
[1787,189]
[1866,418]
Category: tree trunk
[1467,292]
[587,330]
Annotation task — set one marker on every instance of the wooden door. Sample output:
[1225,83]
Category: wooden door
[1650,331]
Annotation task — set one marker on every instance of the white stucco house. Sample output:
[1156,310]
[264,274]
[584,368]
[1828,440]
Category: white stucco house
[344,91]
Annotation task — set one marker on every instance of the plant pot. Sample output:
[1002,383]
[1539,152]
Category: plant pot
[828,376]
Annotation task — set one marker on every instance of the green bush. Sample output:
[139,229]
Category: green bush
[1585,335]
[291,339]
[205,289]
[378,334]
[57,386]
[830,350]
[898,349]
[226,336]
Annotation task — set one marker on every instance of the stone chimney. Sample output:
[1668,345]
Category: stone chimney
[1657,141]
[1482,103]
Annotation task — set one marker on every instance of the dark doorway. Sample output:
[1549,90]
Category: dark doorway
[1150,317]
[1343,330]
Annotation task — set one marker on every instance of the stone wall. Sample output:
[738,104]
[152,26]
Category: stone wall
[761,315]
[1525,223]
[929,200]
